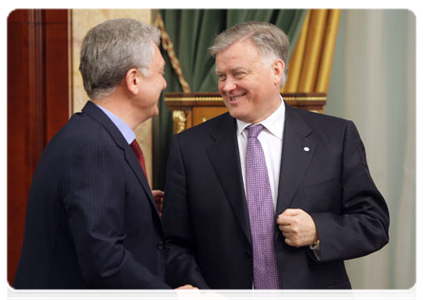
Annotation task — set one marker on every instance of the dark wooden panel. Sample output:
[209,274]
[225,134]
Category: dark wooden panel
[190,109]
[21,160]
[37,105]
[57,71]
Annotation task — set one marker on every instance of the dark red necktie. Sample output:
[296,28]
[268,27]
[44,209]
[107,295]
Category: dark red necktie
[140,156]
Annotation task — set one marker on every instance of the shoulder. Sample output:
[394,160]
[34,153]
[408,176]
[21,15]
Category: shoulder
[319,118]
[324,128]
[217,125]
[322,122]
[80,128]
[80,133]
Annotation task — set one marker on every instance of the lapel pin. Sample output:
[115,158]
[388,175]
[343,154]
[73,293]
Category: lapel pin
[306,149]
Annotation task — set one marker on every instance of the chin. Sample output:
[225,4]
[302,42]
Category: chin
[237,113]
[237,116]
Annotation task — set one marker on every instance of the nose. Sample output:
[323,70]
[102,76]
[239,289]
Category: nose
[228,85]
[164,83]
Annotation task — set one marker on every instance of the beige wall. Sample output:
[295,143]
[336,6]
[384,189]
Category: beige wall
[81,21]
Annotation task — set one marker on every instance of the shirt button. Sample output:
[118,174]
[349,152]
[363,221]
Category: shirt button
[161,245]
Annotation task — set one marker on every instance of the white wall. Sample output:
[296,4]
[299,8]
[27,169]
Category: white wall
[373,83]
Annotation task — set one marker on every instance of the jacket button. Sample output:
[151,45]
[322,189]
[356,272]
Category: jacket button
[161,245]
[247,254]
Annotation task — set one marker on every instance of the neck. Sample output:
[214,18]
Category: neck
[268,111]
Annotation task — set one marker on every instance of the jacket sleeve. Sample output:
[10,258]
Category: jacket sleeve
[362,226]
[94,202]
[181,266]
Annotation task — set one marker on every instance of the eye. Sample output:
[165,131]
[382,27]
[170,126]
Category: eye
[221,77]
[239,75]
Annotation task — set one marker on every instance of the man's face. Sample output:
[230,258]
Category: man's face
[249,85]
[153,85]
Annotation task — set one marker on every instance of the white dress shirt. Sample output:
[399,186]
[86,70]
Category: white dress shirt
[271,138]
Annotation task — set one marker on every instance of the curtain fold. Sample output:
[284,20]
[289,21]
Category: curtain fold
[309,69]
[192,32]
[322,81]
[296,61]
[314,46]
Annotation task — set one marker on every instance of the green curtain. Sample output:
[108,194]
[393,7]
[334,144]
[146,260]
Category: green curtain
[192,32]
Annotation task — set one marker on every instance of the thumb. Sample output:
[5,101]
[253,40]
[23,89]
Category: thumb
[291,212]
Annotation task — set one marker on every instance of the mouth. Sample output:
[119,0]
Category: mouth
[235,98]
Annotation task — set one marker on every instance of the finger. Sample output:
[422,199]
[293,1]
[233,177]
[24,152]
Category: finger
[291,212]
[284,220]
[289,236]
[158,193]
[285,228]
[289,242]
[186,287]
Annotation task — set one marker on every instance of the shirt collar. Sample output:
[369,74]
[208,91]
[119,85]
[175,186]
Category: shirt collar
[126,131]
[273,123]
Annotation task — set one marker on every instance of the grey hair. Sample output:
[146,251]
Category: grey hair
[269,39]
[111,49]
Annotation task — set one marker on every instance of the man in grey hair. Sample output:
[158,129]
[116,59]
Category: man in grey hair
[91,217]
[267,196]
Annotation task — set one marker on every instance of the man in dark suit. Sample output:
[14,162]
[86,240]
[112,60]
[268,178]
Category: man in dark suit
[91,217]
[267,196]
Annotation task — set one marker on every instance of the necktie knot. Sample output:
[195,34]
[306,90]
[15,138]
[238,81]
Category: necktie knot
[254,130]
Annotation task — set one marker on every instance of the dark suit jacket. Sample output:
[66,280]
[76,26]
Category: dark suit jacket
[205,212]
[91,219]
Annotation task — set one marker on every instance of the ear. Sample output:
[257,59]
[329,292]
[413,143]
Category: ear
[278,69]
[132,81]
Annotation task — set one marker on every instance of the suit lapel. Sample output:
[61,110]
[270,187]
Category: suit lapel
[297,152]
[224,156]
[136,167]
[94,112]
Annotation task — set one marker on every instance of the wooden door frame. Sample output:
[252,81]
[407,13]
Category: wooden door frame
[37,106]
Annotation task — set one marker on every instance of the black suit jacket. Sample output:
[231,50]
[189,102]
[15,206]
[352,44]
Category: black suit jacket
[91,219]
[206,217]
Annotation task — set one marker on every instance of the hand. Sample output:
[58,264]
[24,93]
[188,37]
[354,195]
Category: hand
[297,227]
[214,296]
[187,291]
[158,197]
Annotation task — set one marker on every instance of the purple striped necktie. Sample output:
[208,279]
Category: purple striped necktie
[261,213]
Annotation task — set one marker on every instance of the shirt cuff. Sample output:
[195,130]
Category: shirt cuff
[316,249]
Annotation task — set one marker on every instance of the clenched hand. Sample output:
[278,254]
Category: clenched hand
[297,227]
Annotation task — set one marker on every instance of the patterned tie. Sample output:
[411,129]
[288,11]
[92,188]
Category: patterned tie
[261,212]
[140,156]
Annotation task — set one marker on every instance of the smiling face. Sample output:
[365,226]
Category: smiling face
[248,83]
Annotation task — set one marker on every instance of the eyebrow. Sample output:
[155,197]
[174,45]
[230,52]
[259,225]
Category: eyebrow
[236,69]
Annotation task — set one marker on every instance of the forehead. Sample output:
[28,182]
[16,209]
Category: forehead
[240,54]
[158,58]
